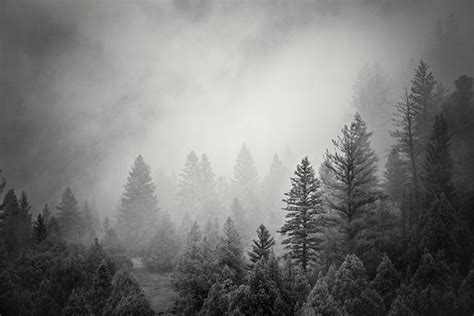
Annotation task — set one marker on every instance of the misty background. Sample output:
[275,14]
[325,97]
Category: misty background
[86,86]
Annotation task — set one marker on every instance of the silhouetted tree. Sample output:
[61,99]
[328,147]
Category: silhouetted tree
[188,185]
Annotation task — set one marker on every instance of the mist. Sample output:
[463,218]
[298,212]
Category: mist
[89,85]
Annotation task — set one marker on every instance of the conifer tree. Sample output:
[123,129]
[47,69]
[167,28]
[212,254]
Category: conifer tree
[68,216]
[230,253]
[40,231]
[54,231]
[274,186]
[303,224]
[24,220]
[410,144]
[245,179]
[46,213]
[207,182]
[239,216]
[386,281]
[262,246]
[320,300]
[188,185]
[395,175]
[11,208]
[353,190]
[88,223]
[423,85]
[138,211]
[439,165]
[352,292]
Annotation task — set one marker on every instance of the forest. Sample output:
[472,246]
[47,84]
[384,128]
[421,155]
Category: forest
[380,223]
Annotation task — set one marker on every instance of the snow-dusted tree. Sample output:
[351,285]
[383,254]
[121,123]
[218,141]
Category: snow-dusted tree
[304,218]
[188,185]
[320,301]
[386,281]
[261,246]
[138,211]
[353,189]
[352,292]
[69,217]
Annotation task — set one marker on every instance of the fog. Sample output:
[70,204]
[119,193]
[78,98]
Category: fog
[89,85]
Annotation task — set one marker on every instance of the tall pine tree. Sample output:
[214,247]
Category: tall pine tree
[40,232]
[354,189]
[303,226]
[69,217]
[188,185]
[138,211]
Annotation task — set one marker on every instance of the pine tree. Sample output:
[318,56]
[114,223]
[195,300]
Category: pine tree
[207,182]
[239,216]
[88,223]
[423,84]
[54,231]
[303,224]
[230,253]
[410,144]
[442,227]
[24,220]
[11,208]
[274,186]
[190,281]
[245,178]
[69,218]
[395,175]
[46,213]
[138,212]
[354,189]
[320,301]
[40,231]
[352,292]
[439,165]
[188,185]
[262,246]
[386,281]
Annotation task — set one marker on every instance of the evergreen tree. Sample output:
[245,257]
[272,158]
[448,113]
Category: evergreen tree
[304,218]
[423,85]
[101,287]
[190,281]
[40,232]
[207,188]
[162,249]
[260,295]
[88,232]
[387,281]
[439,165]
[262,246]
[24,220]
[442,227]
[410,144]
[372,98]
[11,208]
[395,175]
[274,186]
[46,213]
[138,211]
[239,216]
[230,253]
[54,231]
[354,189]
[246,179]
[188,185]
[69,218]
[320,301]
[352,292]
[294,289]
